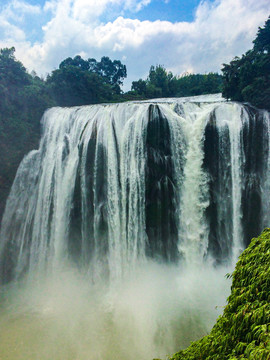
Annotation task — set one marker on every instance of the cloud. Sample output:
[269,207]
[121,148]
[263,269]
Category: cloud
[85,10]
[12,17]
[24,7]
[16,10]
[134,5]
[10,32]
[220,30]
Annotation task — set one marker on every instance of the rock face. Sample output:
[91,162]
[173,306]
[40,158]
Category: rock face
[243,331]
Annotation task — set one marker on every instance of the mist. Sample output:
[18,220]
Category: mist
[152,312]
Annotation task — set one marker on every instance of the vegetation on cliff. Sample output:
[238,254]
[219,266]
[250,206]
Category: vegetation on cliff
[243,331]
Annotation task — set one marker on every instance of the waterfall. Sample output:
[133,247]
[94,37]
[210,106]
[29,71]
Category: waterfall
[112,185]
[119,229]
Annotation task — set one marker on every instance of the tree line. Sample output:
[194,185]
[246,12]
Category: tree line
[161,83]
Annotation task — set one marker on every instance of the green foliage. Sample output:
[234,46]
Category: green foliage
[23,99]
[262,41]
[113,72]
[198,84]
[77,62]
[12,71]
[158,83]
[161,83]
[248,78]
[160,80]
[243,331]
[139,87]
[71,86]
[83,82]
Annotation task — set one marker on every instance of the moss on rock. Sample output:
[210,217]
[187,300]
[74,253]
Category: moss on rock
[243,331]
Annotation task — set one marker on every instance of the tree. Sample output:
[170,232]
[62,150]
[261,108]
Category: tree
[12,71]
[248,78]
[81,82]
[70,85]
[162,83]
[77,62]
[197,84]
[262,41]
[113,72]
[159,79]
[139,87]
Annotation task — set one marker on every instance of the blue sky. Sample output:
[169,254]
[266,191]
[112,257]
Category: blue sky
[183,35]
[173,10]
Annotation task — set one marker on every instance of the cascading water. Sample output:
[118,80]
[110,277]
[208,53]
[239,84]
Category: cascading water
[120,226]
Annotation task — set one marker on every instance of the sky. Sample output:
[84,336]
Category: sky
[182,35]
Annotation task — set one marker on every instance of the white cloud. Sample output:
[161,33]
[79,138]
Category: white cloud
[24,7]
[135,5]
[220,30]
[17,9]
[9,32]
[88,10]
